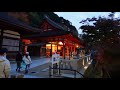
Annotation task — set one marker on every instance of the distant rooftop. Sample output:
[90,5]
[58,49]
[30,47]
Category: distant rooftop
[11,20]
[54,23]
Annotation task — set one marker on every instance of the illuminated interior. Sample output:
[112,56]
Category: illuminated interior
[54,47]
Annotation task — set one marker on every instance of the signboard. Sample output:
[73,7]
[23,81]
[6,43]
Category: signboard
[55,62]
[55,58]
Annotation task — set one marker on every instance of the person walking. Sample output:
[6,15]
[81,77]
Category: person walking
[27,60]
[4,64]
[18,61]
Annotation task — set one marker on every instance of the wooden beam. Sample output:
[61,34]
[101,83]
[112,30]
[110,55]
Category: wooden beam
[67,37]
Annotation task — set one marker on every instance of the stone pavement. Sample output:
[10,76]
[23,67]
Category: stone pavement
[40,68]
[35,62]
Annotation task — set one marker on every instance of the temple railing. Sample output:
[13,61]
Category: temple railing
[75,65]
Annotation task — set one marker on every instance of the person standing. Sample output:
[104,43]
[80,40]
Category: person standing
[4,64]
[55,52]
[92,54]
[18,61]
[27,61]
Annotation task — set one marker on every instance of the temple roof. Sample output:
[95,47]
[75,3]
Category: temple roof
[52,33]
[46,34]
[54,24]
[4,17]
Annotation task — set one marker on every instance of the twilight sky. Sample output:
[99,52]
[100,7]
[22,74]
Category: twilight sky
[76,17]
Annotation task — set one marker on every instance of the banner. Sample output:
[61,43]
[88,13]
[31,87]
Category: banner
[55,63]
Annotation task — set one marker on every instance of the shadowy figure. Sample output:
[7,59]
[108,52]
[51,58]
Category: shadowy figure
[18,61]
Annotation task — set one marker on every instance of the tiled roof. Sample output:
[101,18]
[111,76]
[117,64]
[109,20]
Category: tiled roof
[11,20]
[54,23]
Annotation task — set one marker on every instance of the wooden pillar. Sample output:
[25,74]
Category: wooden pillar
[71,51]
[20,44]
[74,49]
[63,49]
[57,46]
[26,48]
[40,51]
[1,38]
[51,50]
[67,50]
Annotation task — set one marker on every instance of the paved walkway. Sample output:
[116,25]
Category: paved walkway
[35,62]
[39,67]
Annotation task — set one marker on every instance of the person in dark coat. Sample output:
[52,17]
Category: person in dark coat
[18,61]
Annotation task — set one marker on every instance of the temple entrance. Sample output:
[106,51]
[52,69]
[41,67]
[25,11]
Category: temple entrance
[34,50]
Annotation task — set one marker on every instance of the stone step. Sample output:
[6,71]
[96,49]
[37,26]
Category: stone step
[71,76]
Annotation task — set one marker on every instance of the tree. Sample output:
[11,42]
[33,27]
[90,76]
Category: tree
[104,31]
[103,35]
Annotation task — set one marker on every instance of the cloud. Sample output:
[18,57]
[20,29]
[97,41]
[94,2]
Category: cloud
[116,15]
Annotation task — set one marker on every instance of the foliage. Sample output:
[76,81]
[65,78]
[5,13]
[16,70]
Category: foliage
[37,17]
[34,18]
[104,32]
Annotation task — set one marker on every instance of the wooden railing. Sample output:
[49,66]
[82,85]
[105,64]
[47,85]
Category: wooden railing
[74,65]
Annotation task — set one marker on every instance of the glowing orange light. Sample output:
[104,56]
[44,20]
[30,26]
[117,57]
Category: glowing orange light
[77,46]
[60,43]
[26,41]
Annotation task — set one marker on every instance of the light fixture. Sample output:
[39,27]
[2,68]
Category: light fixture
[60,43]
[89,62]
[77,46]
[85,67]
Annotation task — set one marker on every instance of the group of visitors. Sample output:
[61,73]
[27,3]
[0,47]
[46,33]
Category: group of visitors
[5,66]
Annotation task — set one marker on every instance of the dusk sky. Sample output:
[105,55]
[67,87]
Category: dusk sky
[76,17]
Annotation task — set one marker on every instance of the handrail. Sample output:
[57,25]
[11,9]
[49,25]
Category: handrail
[66,69]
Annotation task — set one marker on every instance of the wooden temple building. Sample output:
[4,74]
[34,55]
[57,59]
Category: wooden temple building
[17,36]
[53,37]
[11,33]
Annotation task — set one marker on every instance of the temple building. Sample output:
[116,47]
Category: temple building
[52,37]
[11,33]
[17,36]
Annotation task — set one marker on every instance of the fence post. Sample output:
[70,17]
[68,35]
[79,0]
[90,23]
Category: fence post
[74,74]
[59,67]
[49,71]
